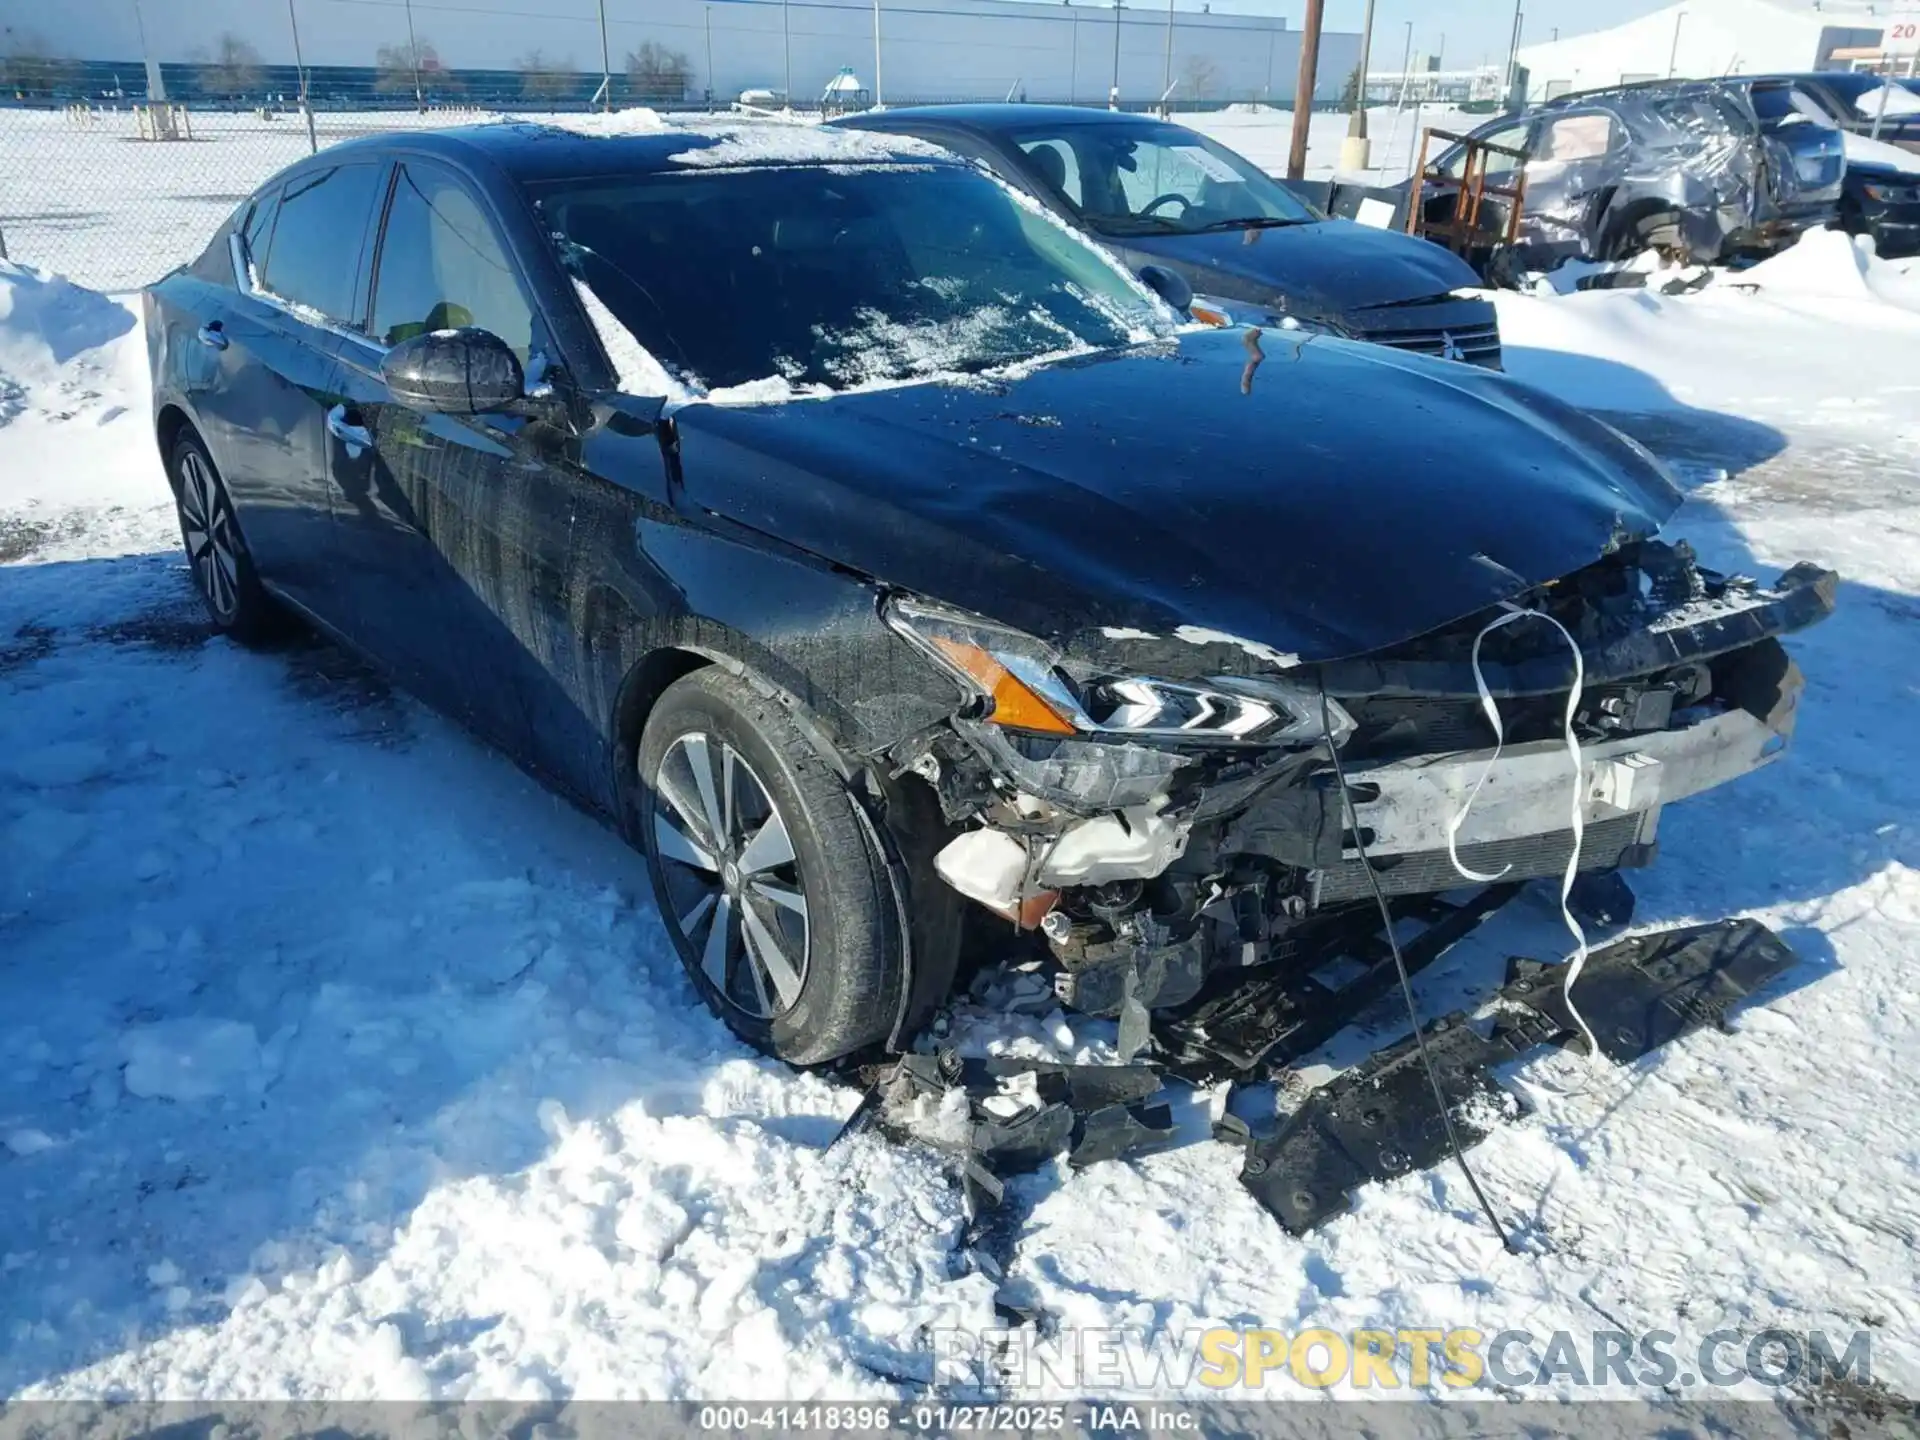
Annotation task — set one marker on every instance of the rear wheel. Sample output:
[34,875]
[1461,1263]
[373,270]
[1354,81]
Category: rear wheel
[1658,231]
[223,571]
[767,877]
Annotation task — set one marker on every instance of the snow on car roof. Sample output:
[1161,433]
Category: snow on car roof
[788,143]
[643,139]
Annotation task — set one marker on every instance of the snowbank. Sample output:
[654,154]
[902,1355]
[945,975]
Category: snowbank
[74,408]
[1771,344]
[46,320]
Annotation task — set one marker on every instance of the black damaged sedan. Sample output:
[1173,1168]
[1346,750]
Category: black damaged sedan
[876,553]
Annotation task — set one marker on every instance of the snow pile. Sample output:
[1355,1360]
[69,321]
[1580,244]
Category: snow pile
[1823,264]
[1824,334]
[46,321]
[73,407]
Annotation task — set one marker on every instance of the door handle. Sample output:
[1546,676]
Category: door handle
[355,437]
[213,336]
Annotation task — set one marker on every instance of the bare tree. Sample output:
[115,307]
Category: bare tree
[393,67]
[28,67]
[1200,77]
[234,70]
[544,79]
[657,73]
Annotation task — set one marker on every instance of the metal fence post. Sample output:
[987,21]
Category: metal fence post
[606,64]
[306,96]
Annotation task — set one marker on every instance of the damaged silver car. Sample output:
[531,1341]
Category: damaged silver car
[1701,171]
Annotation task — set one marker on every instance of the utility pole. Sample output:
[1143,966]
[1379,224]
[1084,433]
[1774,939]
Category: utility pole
[712,88]
[1113,95]
[786,49]
[1355,151]
[156,82]
[413,49]
[606,63]
[1303,88]
[1513,54]
[879,102]
[1073,65]
[1273,33]
[306,99]
[1406,69]
[1673,55]
[1166,84]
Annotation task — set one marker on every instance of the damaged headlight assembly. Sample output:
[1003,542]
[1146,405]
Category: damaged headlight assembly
[1070,770]
[1023,684]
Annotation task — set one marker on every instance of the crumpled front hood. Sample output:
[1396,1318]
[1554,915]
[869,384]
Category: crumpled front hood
[1335,498]
[1326,269]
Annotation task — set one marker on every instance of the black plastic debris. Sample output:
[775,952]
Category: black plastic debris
[1379,1120]
[1648,990]
[1116,1130]
[1253,1024]
[1020,1113]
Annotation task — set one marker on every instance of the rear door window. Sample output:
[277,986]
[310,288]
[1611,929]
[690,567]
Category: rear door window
[1575,137]
[443,266]
[313,259]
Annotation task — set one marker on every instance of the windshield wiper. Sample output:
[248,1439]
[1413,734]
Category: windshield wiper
[1136,224]
[1252,222]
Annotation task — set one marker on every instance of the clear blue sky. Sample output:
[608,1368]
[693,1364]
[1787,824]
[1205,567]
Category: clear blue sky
[1474,30]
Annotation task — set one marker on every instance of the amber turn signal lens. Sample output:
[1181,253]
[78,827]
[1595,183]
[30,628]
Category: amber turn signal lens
[1206,316]
[1014,705]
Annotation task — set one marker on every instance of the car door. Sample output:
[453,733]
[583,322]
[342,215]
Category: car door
[1574,156]
[455,528]
[298,256]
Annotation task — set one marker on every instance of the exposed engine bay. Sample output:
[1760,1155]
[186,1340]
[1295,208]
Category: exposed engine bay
[1160,832]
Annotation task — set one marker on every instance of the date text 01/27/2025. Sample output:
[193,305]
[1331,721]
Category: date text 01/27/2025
[946,1418]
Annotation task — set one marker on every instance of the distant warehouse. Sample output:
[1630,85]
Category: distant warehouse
[1702,38]
[663,51]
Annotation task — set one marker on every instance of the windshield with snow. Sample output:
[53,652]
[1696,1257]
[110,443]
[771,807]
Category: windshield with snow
[839,276]
[1153,178]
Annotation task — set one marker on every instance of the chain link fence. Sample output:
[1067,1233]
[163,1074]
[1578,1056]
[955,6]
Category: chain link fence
[114,196]
[112,188]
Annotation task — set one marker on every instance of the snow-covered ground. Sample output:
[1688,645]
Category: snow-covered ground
[339,1060]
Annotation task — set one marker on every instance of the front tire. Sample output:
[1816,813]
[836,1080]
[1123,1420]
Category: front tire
[223,570]
[767,877]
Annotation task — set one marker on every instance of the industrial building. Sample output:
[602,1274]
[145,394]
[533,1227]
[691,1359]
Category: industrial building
[1703,38]
[1071,50]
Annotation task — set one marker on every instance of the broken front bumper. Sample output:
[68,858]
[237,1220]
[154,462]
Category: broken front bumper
[1520,824]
